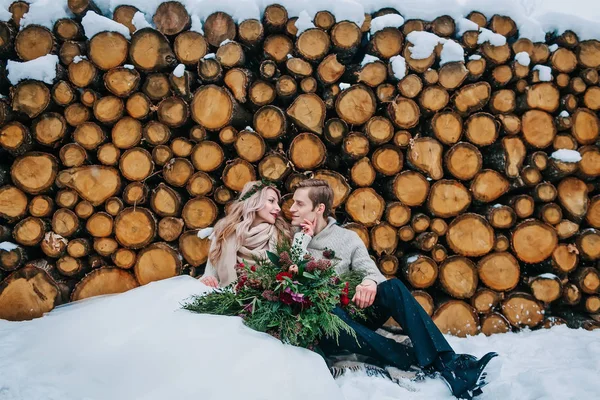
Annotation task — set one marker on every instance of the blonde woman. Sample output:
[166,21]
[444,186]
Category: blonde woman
[252,226]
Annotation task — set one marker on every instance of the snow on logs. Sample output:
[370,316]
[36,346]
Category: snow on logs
[464,156]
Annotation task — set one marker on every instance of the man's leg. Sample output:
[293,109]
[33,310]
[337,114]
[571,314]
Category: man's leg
[395,300]
[369,343]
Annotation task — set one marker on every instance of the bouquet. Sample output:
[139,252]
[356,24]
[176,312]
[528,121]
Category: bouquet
[288,295]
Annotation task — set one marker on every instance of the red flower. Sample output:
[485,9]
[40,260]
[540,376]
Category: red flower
[286,298]
[241,282]
[306,303]
[253,268]
[282,275]
[344,300]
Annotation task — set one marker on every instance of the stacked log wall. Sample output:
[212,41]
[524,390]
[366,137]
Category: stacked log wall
[446,169]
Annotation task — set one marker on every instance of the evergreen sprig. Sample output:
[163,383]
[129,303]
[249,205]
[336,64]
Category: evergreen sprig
[295,307]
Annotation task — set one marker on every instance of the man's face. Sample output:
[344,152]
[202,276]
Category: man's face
[302,208]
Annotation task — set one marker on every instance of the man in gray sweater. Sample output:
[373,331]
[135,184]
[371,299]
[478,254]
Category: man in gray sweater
[464,374]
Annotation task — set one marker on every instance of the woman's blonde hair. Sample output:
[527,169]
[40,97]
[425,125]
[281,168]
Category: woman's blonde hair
[240,217]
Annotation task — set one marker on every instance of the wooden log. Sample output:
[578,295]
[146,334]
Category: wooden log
[136,164]
[210,70]
[34,41]
[177,172]
[485,300]
[488,185]
[307,151]
[384,239]
[28,293]
[457,318]
[156,262]
[447,127]
[170,228]
[533,241]
[362,173]
[15,138]
[388,265]
[411,188]
[150,51]
[250,32]
[388,160]
[67,198]
[122,81]
[171,18]
[138,106]
[356,209]
[135,228]
[420,222]
[507,156]
[104,280]
[550,213]
[89,135]
[587,279]
[65,222]
[494,323]
[463,161]
[355,146]
[546,288]
[448,198]
[214,107]
[193,249]
[403,112]
[471,98]
[84,209]
[425,154]
[165,201]
[586,126]
[30,98]
[458,277]
[41,206]
[588,244]
[522,309]
[124,258]
[35,172]
[481,129]
[419,270]
[30,231]
[470,235]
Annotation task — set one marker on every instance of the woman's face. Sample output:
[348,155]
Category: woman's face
[270,210]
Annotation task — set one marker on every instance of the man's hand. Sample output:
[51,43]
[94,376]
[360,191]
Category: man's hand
[365,294]
[210,281]
[308,227]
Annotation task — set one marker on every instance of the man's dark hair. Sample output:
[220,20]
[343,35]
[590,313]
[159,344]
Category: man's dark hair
[319,192]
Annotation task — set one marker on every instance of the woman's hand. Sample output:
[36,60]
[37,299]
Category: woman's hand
[210,281]
[308,227]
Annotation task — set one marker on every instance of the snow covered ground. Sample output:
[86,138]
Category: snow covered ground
[140,345]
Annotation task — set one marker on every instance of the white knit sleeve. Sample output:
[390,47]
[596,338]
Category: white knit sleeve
[362,261]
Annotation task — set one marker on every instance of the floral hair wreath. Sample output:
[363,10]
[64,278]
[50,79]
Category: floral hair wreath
[257,187]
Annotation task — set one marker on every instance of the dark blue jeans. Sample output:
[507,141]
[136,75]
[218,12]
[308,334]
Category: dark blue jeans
[393,300]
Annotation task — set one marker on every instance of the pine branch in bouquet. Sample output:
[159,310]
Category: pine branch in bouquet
[289,295]
[220,302]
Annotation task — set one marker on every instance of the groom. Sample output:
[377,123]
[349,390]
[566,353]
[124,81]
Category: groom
[464,374]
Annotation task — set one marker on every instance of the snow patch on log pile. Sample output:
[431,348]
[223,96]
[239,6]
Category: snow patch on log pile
[41,69]
[523,58]
[94,24]
[533,20]
[568,156]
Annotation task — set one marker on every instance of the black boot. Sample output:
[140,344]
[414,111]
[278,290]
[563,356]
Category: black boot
[464,374]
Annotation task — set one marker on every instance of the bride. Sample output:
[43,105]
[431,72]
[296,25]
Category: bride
[142,345]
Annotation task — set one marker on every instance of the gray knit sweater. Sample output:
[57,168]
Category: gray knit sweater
[346,244]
